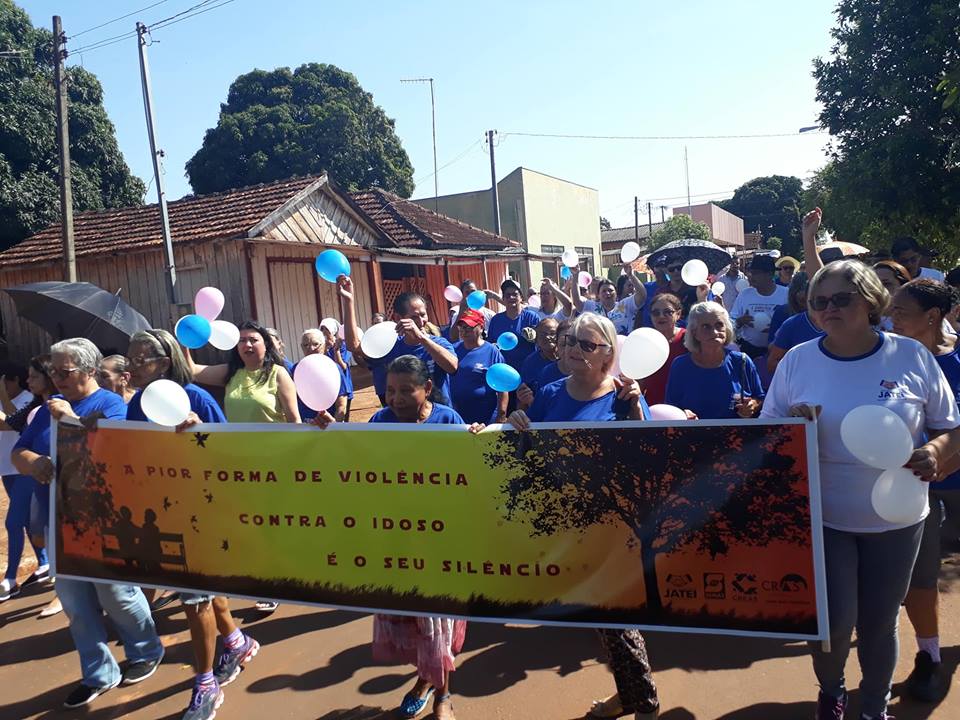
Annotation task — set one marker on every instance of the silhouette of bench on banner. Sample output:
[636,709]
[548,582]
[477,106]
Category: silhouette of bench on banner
[177,558]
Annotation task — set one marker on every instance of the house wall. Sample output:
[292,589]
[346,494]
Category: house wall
[725,227]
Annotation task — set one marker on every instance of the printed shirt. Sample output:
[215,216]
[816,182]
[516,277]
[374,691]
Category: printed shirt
[441,380]
[795,329]
[501,323]
[201,402]
[898,374]
[554,404]
[9,437]
[751,302]
[439,415]
[712,393]
[622,315]
[37,435]
[472,397]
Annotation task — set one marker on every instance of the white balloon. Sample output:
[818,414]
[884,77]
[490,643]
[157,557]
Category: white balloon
[165,403]
[718,288]
[224,335]
[570,258]
[694,272]
[629,252]
[899,496]
[742,284]
[379,339]
[615,368]
[331,324]
[534,302]
[761,321]
[644,352]
[877,436]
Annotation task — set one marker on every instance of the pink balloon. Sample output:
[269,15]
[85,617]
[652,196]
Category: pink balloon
[615,369]
[208,303]
[317,378]
[666,412]
[453,294]
[584,279]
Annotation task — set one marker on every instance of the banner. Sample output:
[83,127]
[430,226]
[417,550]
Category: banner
[701,527]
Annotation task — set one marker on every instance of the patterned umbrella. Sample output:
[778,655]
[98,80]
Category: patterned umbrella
[847,248]
[715,257]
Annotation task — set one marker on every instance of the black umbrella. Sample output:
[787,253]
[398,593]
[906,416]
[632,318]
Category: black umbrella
[80,309]
[715,257]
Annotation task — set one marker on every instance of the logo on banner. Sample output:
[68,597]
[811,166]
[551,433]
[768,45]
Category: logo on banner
[714,586]
[744,587]
[680,586]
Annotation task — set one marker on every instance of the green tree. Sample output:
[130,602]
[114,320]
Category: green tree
[894,168]
[29,170]
[604,223]
[298,122]
[773,243]
[679,227]
[770,205]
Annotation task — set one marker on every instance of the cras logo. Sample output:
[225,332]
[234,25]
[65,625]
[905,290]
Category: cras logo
[744,587]
[679,587]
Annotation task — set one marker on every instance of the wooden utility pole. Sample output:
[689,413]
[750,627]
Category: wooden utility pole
[636,219]
[650,219]
[63,140]
[493,183]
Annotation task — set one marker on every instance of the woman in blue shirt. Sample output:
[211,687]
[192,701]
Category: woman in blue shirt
[589,394]
[472,397]
[712,381]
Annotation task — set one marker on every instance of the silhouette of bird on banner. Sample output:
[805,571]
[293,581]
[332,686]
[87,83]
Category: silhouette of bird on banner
[225,545]
[208,495]
[193,523]
[166,503]
[201,439]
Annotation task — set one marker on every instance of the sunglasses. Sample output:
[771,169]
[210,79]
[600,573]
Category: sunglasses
[839,300]
[675,268]
[62,373]
[585,345]
[659,313]
[140,361]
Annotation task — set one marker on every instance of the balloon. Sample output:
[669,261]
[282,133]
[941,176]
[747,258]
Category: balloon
[379,340]
[453,294]
[534,302]
[165,403]
[761,321]
[208,302]
[629,252]
[742,284]
[899,496]
[644,352]
[224,335]
[694,272]
[666,412]
[333,325]
[570,258]
[584,279]
[615,368]
[565,273]
[476,300]
[877,436]
[331,264]
[507,341]
[775,254]
[317,378]
[718,288]
[192,331]
[503,378]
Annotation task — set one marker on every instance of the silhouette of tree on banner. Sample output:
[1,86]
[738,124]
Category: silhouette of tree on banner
[83,494]
[701,488]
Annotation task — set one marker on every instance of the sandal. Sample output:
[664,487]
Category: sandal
[609,708]
[439,701]
[413,705]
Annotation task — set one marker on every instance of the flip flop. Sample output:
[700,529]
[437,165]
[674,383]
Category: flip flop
[412,705]
[601,709]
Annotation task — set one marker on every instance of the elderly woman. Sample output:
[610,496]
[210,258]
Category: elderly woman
[114,375]
[665,310]
[589,394]
[320,341]
[869,560]
[472,397]
[74,367]
[154,355]
[713,381]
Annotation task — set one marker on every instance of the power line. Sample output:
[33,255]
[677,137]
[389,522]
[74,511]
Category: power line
[457,159]
[659,137]
[116,19]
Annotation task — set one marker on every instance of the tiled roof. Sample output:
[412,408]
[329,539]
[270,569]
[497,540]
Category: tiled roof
[202,217]
[411,225]
[615,237]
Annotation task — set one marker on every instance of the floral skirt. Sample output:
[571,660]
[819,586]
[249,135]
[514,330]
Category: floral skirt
[431,643]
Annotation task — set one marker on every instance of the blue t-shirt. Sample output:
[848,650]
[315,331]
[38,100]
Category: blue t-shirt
[347,357]
[378,366]
[950,364]
[532,367]
[439,415]
[472,397]
[554,404]
[288,365]
[501,323]
[550,374]
[201,402]
[37,435]
[780,314]
[709,392]
[796,329]
[307,413]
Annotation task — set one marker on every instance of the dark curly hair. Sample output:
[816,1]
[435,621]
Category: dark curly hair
[930,294]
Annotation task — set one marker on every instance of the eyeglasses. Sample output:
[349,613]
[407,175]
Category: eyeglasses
[62,373]
[675,268]
[585,345]
[141,361]
[552,337]
[659,313]
[839,300]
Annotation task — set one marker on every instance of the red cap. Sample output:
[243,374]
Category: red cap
[470,318]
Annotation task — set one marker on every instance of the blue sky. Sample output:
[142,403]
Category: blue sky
[689,67]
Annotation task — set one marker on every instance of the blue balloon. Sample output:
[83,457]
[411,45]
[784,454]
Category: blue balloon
[476,300]
[507,341]
[193,331]
[503,378]
[331,264]
[564,272]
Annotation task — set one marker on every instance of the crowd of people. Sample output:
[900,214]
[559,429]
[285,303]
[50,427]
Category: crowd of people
[788,339]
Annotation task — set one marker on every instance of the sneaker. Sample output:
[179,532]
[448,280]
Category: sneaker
[204,702]
[232,662]
[829,707]
[924,682]
[267,606]
[139,671]
[8,589]
[40,575]
[84,694]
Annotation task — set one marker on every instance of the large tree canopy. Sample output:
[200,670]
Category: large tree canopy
[29,169]
[770,205]
[894,164]
[283,123]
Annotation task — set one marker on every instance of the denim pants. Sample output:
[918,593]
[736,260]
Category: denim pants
[129,612]
[868,575]
[20,491]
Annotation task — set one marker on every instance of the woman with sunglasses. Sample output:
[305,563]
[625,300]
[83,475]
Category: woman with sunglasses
[665,314]
[793,325]
[620,312]
[589,394]
[869,560]
[713,381]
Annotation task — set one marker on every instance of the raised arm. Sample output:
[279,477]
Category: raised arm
[351,332]
[564,299]
[206,374]
[575,295]
[811,224]
[639,289]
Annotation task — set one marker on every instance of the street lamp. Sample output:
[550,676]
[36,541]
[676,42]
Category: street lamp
[433,116]
[809,128]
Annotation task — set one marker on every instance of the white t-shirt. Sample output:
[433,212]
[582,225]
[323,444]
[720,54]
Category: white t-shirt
[8,437]
[900,374]
[559,315]
[932,274]
[730,292]
[621,316]
[751,302]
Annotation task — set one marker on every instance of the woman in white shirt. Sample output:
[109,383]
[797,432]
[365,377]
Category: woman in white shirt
[868,560]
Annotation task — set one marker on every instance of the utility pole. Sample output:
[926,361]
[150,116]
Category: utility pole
[171,268]
[663,213]
[650,218]
[493,183]
[433,118]
[686,165]
[63,139]
[636,219]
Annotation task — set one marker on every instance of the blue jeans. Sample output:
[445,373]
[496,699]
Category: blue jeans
[20,490]
[127,608]
[40,510]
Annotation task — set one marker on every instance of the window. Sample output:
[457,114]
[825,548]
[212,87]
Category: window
[551,269]
[586,258]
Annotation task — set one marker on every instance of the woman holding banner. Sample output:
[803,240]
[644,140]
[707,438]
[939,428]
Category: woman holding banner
[869,559]
[155,354]
[589,394]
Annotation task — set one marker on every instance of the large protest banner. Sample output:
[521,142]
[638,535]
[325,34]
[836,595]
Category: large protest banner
[703,527]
